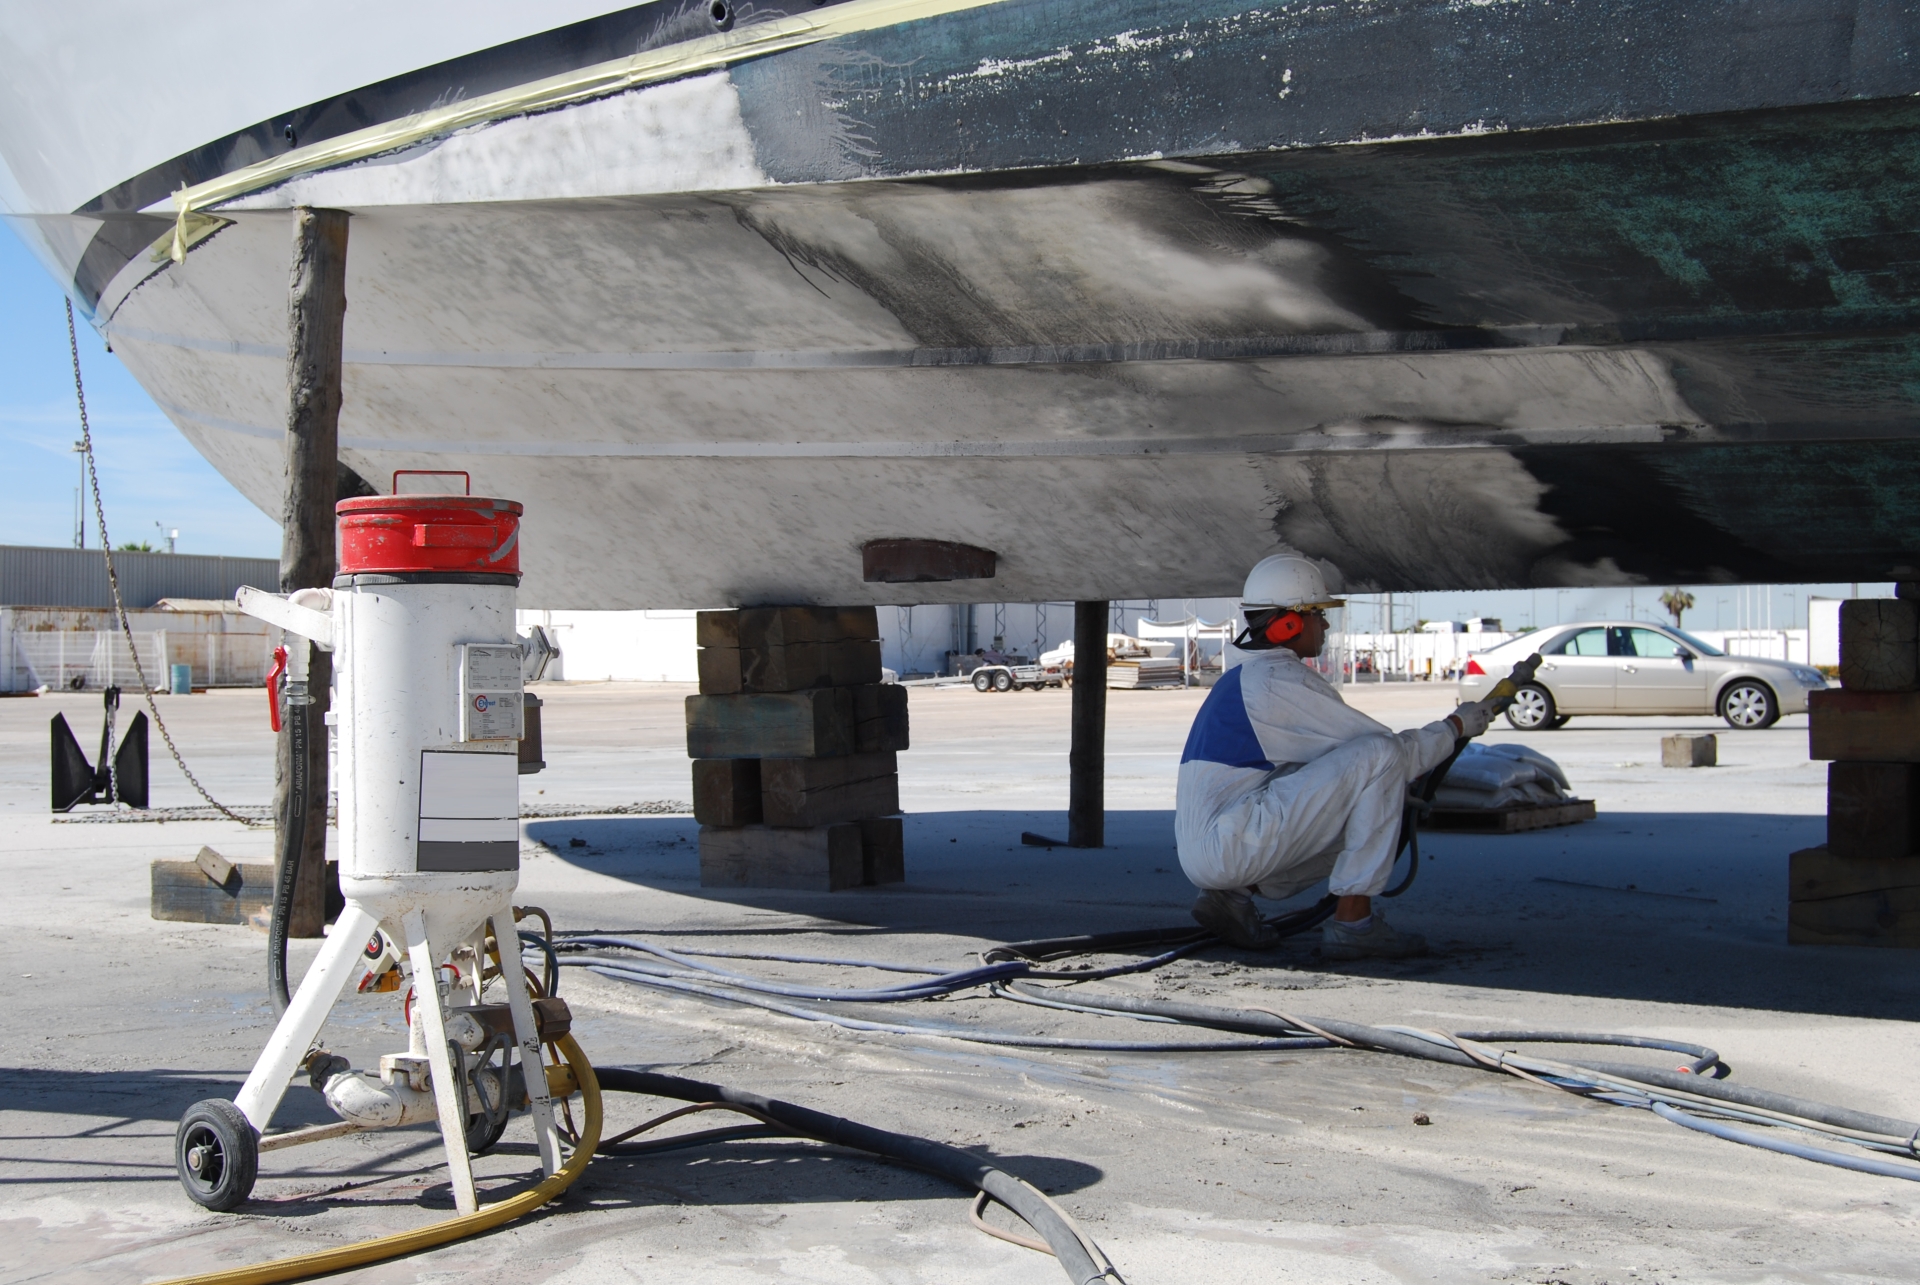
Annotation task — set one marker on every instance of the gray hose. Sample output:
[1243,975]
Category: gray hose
[1012,1039]
[1696,1082]
[1704,1059]
[1786,1146]
[1764,1099]
[1253,1022]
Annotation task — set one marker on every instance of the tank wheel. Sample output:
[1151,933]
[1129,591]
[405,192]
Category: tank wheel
[982,680]
[1749,705]
[217,1154]
[483,1130]
[1002,681]
[1533,710]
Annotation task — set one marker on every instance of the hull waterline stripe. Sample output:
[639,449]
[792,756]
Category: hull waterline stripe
[708,53]
[1406,438]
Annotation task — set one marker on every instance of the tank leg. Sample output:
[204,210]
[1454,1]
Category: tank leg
[527,1034]
[446,1088]
[319,991]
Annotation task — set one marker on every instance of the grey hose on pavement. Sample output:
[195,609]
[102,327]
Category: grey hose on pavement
[1753,1138]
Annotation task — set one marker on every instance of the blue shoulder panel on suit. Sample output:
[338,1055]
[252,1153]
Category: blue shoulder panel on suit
[1222,732]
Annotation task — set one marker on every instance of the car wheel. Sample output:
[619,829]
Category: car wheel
[1532,709]
[216,1154]
[1749,705]
[1003,681]
[1560,722]
[982,681]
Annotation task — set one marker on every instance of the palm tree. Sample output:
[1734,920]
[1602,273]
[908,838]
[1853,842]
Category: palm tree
[1676,600]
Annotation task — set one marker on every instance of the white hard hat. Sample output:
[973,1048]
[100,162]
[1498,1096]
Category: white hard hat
[1286,580]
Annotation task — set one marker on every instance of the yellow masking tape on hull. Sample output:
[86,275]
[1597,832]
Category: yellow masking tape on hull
[709,53]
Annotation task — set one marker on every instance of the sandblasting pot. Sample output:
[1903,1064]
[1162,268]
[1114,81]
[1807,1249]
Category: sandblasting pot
[428,706]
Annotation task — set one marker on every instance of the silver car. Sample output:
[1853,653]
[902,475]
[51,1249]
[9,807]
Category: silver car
[1632,667]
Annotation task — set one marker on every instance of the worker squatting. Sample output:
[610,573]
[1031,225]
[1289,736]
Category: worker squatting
[1283,784]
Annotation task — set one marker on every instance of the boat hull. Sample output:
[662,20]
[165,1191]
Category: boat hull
[1445,296]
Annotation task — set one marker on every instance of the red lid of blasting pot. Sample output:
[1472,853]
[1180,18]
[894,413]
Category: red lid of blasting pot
[425,533]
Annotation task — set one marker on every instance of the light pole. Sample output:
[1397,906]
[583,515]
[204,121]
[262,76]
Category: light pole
[80,500]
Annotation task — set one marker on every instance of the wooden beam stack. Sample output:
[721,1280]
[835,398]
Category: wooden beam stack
[1863,887]
[794,741]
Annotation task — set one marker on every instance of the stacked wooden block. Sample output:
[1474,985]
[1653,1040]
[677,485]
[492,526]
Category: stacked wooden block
[1863,886]
[794,741]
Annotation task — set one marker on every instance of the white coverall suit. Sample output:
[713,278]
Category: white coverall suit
[1283,784]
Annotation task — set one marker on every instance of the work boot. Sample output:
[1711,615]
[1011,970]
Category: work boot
[1381,940]
[1232,917]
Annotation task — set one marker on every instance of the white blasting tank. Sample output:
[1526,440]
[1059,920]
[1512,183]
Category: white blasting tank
[428,707]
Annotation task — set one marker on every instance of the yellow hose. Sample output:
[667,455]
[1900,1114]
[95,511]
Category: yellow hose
[440,1233]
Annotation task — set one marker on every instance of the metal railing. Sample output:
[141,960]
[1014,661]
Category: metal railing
[90,660]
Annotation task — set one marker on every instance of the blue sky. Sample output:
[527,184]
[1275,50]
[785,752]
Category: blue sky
[148,472]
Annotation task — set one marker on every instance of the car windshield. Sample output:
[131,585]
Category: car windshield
[1694,643]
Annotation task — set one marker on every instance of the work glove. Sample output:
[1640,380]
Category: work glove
[1472,718]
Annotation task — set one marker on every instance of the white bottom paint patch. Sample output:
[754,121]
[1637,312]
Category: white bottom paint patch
[685,136]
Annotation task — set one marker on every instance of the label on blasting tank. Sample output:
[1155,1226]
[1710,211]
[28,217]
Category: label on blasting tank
[469,810]
[492,707]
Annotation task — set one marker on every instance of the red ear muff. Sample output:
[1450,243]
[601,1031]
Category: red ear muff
[1285,627]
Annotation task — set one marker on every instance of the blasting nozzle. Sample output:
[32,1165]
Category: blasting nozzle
[1504,691]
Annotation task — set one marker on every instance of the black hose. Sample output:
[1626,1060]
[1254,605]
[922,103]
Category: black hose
[1048,949]
[1249,1021]
[685,1141]
[550,971]
[1416,810]
[293,842]
[951,1163]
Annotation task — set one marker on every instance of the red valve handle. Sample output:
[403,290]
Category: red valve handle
[273,686]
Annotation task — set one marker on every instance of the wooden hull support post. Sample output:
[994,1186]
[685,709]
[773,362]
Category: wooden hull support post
[1087,760]
[316,316]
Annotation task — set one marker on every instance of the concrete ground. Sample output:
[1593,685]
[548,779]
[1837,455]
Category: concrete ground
[1663,917]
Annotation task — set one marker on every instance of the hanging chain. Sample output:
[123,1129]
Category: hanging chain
[113,583]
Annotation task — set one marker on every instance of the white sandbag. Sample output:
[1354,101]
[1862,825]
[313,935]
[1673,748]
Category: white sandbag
[1533,756]
[1504,767]
[1455,796]
[1478,770]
